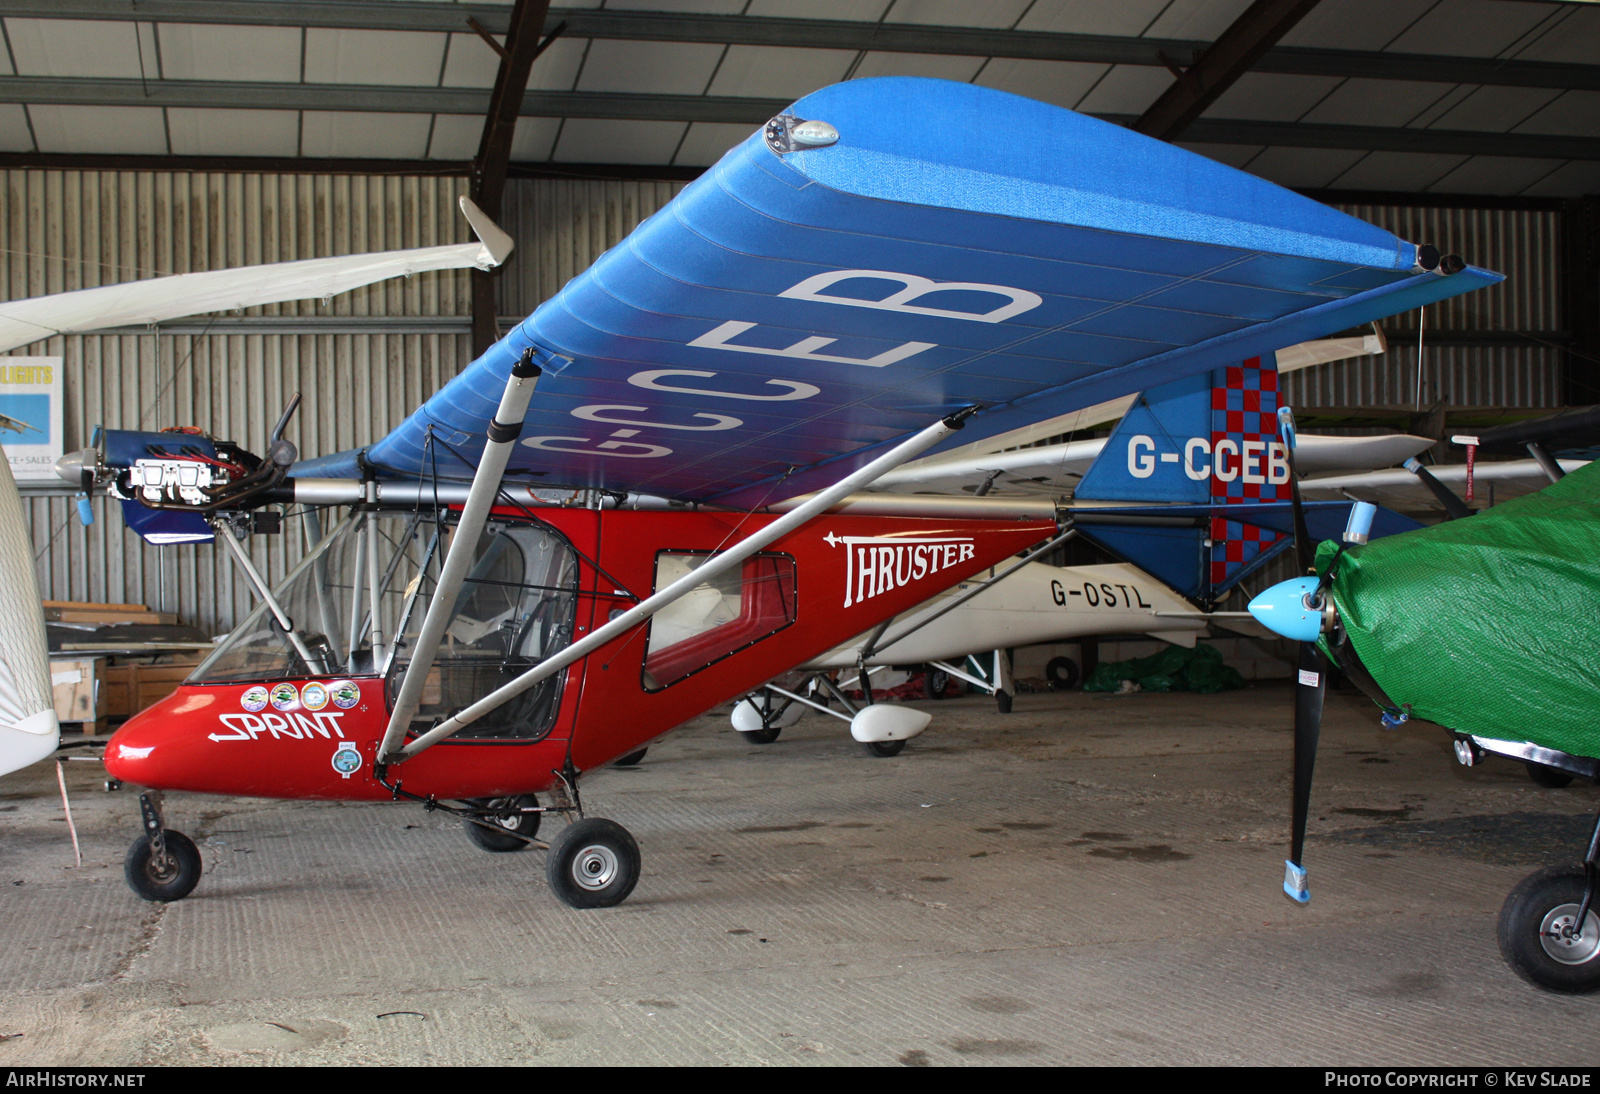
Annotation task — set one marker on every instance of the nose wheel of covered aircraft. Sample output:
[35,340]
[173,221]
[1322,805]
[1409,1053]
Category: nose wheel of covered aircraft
[1539,937]
[594,863]
[507,830]
[168,873]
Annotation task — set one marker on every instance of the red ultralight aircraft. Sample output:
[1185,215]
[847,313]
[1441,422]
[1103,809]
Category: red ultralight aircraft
[254,721]
[843,291]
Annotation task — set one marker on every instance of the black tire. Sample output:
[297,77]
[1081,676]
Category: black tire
[174,882]
[934,682]
[1063,674]
[1531,915]
[594,863]
[884,748]
[761,736]
[499,834]
[1551,778]
[631,759]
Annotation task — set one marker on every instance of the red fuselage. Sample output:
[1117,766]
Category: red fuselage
[848,575]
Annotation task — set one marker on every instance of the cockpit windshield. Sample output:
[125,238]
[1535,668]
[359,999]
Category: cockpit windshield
[517,605]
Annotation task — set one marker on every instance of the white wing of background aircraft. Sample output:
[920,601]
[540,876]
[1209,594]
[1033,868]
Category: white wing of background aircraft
[158,298]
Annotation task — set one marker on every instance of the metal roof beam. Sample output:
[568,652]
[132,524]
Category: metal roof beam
[819,34]
[522,48]
[1384,139]
[1233,54]
[752,112]
[243,95]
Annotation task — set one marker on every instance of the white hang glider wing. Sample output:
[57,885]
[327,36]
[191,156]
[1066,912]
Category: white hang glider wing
[1054,470]
[159,298]
[1292,359]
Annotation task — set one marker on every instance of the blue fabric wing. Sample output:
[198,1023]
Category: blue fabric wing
[797,309]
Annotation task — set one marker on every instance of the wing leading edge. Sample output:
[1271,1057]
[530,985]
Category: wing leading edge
[801,306]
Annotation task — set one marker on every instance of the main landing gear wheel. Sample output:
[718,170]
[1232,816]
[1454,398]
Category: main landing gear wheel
[631,759]
[500,834]
[1062,672]
[761,736]
[884,748]
[594,863]
[1551,778]
[173,878]
[1537,937]
[935,681]
[1002,702]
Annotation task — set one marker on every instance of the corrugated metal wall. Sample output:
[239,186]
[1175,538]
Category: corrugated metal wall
[1522,244]
[63,230]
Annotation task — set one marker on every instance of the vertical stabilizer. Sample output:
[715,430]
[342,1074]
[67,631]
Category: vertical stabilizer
[28,727]
[1208,440]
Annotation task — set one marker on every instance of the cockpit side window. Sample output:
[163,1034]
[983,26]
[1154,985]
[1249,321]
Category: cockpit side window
[719,617]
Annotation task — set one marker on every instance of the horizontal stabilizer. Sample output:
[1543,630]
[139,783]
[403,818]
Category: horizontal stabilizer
[1180,543]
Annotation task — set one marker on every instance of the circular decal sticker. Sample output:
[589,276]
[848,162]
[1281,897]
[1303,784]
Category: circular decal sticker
[285,697]
[314,696]
[254,699]
[344,693]
[346,759]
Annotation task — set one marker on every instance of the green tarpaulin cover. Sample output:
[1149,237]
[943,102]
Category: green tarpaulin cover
[1488,625]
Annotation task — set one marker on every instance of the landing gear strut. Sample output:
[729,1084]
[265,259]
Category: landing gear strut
[593,863]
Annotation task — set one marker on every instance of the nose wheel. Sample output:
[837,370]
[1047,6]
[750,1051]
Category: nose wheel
[162,864]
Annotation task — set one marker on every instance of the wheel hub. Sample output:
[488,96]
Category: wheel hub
[507,820]
[595,867]
[1557,934]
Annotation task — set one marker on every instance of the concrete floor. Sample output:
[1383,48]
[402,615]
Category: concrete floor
[1090,880]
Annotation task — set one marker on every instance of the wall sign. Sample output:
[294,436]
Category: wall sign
[30,395]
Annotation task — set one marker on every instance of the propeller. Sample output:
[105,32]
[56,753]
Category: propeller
[1302,609]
